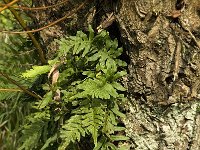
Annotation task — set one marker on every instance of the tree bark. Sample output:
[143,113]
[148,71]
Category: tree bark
[161,39]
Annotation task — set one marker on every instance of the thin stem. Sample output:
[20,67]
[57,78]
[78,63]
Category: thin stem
[20,86]
[8,5]
[37,8]
[35,42]
[50,24]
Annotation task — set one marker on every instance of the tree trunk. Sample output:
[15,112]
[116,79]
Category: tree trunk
[161,41]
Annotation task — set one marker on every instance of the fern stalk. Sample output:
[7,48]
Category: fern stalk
[20,86]
[35,42]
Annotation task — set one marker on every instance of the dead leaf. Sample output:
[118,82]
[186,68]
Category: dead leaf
[57,95]
[55,76]
[52,69]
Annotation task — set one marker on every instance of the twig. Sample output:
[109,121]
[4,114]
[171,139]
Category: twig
[35,42]
[8,5]
[50,24]
[20,86]
[36,8]
[185,26]
[11,90]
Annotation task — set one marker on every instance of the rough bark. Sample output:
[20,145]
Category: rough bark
[163,81]
[161,40]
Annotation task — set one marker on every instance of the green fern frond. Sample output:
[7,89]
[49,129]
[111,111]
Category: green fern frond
[118,86]
[33,130]
[33,134]
[93,120]
[116,111]
[46,100]
[119,138]
[37,70]
[96,89]
[49,141]
[71,131]
[79,44]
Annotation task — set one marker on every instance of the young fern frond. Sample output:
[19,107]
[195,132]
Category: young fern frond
[36,71]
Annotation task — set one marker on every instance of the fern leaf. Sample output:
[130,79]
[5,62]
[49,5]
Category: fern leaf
[46,100]
[111,66]
[87,49]
[94,57]
[71,131]
[110,123]
[48,141]
[119,75]
[96,89]
[116,111]
[33,131]
[90,74]
[64,47]
[93,120]
[37,70]
[120,63]
[118,86]
[111,146]
[119,138]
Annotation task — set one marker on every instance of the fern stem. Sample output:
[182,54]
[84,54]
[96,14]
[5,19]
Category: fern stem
[70,14]
[20,86]
[35,8]
[11,90]
[8,5]
[35,42]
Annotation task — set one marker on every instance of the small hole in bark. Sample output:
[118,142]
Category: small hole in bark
[179,4]
[198,12]
[182,75]
[169,79]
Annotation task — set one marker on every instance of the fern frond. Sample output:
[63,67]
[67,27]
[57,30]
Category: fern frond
[79,44]
[71,131]
[46,100]
[33,133]
[118,86]
[96,89]
[37,70]
[93,120]
[49,141]
[116,111]
[33,130]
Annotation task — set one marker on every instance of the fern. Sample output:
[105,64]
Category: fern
[34,129]
[72,131]
[88,88]
[37,70]
[17,54]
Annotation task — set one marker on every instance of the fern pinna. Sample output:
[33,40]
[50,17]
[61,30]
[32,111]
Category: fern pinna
[82,95]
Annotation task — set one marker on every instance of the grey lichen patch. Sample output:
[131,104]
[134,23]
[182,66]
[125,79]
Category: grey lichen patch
[170,128]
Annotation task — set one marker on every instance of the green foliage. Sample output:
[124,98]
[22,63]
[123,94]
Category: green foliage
[37,70]
[16,55]
[34,129]
[84,102]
